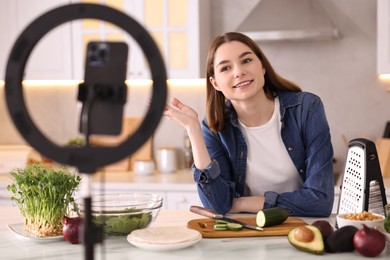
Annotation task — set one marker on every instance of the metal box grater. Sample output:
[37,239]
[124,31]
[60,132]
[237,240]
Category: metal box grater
[362,187]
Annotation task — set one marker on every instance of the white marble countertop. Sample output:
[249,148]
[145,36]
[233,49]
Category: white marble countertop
[12,247]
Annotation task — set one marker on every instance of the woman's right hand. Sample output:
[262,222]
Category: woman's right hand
[181,113]
[188,118]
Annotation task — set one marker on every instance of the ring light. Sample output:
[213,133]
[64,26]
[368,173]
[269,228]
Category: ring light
[87,159]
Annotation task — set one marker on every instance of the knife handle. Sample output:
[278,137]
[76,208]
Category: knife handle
[205,212]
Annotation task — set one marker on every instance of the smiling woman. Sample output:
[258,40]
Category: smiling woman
[264,143]
[228,74]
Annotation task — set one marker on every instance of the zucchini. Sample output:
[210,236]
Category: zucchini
[271,217]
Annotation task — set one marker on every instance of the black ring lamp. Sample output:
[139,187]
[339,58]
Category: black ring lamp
[87,159]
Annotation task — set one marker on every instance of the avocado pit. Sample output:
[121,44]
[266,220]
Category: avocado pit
[303,234]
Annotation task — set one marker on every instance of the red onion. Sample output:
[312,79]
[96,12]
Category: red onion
[369,241]
[71,227]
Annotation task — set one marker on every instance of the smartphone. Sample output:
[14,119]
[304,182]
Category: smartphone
[104,83]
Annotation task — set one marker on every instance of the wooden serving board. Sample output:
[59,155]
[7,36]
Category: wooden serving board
[206,227]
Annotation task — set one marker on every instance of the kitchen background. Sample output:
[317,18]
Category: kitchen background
[341,70]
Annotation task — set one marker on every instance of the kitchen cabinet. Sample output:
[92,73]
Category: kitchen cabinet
[179,28]
[51,58]
[383,37]
[182,199]
[178,189]
[5,42]
[177,199]
[86,30]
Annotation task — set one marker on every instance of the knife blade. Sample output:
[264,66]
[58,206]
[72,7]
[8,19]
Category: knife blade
[212,214]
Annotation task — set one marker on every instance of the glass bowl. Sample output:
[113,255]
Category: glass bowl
[120,214]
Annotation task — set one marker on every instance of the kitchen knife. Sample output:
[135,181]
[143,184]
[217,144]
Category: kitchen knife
[212,214]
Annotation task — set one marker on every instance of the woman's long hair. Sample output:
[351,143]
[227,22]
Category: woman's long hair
[215,100]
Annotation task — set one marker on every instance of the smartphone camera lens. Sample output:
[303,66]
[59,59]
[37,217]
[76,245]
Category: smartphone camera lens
[97,54]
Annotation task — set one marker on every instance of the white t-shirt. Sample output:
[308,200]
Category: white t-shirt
[269,166]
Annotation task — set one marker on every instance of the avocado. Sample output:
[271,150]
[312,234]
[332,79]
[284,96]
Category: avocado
[307,238]
[341,240]
[325,228]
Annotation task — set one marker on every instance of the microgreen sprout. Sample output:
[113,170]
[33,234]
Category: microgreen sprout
[44,196]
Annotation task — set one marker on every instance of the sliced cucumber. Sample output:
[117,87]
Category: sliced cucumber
[220,227]
[234,226]
[220,221]
[271,217]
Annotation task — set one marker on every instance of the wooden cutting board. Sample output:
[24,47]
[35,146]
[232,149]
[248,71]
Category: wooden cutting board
[206,227]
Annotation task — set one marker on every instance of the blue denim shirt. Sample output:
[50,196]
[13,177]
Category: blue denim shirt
[306,135]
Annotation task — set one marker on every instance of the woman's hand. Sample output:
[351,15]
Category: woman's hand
[181,114]
[188,117]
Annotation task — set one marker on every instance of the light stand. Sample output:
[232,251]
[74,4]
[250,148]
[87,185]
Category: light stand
[86,159]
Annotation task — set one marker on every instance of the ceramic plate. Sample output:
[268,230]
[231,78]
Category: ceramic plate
[164,238]
[18,229]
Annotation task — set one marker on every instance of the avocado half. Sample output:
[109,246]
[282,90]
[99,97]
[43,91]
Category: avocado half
[316,246]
